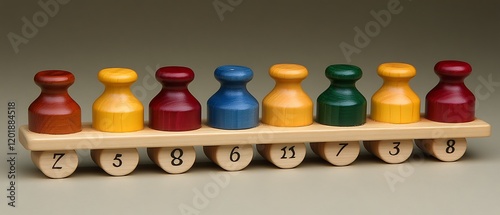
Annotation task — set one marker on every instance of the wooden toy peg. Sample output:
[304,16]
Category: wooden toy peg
[54,111]
[287,105]
[117,109]
[395,101]
[341,104]
[232,107]
[450,100]
[174,108]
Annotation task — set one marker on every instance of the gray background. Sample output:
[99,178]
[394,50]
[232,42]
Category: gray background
[86,36]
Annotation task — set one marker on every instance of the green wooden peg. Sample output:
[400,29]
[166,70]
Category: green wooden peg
[341,104]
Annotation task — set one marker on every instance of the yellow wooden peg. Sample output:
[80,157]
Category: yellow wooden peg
[117,109]
[287,105]
[395,101]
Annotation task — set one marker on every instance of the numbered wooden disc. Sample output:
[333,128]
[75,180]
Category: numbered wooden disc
[337,153]
[56,164]
[390,151]
[446,149]
[283,155]
[173,159]
[116,162]
[230,157]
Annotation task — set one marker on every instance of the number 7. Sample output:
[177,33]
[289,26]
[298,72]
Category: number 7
[341,148]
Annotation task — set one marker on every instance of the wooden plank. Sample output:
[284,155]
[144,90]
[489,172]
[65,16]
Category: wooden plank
[90,138]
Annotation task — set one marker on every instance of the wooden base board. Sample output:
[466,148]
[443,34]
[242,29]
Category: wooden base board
[90,138]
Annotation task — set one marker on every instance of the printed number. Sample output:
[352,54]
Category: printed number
[234,154]
[58,157]
[395,147]
[117,158]
[176,161]
[450,143]
[341,148]
[291,149]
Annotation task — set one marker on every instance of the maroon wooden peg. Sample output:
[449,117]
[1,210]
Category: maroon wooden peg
[174,108]
[450,100]
[54,111]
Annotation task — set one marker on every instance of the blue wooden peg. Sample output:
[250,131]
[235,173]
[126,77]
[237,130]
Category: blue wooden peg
[232,106]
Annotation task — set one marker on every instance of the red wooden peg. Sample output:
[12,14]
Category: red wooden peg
[450,100]
[174,108]
[54,111]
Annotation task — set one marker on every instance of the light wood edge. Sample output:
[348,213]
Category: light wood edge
[263,134]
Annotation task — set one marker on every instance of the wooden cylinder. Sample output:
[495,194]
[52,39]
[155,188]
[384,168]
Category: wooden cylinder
[116,162]
[444,149]
[390,151]
[173,160]
[337,153]
[55,164]
[230,157]
[283,155]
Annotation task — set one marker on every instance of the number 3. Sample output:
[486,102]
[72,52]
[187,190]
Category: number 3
[395,147]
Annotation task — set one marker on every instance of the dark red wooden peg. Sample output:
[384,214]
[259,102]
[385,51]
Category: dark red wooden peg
[174,108]
[450,100]
[54,111]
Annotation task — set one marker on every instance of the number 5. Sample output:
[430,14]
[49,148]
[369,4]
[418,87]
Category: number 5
[117,158]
